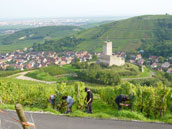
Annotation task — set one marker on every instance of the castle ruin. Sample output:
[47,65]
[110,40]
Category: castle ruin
[107,58]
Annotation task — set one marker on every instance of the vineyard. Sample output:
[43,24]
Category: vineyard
[33,94]
[75,90]
[27,93]
[152,102]
[148,103]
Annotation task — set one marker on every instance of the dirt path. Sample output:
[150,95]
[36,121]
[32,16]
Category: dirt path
[138,78]
[47,121]
[22,76]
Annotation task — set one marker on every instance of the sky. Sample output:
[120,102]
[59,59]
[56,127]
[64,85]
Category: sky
[82,8]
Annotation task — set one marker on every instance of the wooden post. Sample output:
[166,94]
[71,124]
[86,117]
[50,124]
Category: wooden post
[21,115]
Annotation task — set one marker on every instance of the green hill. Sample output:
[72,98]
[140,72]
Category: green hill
[126,35]
[27,37]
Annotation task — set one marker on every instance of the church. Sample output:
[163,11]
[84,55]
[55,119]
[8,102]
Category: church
[107,58]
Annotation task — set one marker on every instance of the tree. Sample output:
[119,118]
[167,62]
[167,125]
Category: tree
[10,68]
[161,59]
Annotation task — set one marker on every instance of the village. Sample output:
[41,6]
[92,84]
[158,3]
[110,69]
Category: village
[154,62]
[28,59]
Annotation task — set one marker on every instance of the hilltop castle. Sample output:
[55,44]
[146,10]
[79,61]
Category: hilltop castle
[106,58]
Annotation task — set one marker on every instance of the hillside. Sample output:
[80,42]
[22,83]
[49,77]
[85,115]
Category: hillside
[27,37]
[126,35]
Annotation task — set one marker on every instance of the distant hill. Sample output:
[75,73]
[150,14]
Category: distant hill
[126,35]
[27,37]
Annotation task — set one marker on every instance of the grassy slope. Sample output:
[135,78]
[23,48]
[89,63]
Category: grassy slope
[34,35]
[66,72]
[49,73]
[125,34]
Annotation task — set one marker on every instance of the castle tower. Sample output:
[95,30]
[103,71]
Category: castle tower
[106,58]
[107,48]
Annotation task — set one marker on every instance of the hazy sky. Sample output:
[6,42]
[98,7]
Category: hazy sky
[75,8]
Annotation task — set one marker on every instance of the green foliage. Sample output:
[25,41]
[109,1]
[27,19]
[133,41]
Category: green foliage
[10,68]
[54,70]
[64,44]
[47,73]
[41,75]
[76,91]
[25,92]
[126,70]
[80,65]
[159,77]
[152,102]
[162,44]
[105,75]
[70,67]
[8,73]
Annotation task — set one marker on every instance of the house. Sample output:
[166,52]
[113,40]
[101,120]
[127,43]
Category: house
[165,65]
[20,67]
[132,61]
[28,66]
[154,65]
[62,63]
[169,70]
[159,69]
[4,67]
[98,54]
[56,61]
[138,56]
[140,61]
[44,60]
[153,57]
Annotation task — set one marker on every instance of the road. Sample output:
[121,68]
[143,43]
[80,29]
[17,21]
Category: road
[48,121]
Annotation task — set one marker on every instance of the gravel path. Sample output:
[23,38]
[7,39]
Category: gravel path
[47,121]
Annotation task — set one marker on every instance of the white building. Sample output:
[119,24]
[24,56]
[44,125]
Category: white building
[106,58]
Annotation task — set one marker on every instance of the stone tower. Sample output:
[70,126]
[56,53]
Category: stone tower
[107,48]
[106,58]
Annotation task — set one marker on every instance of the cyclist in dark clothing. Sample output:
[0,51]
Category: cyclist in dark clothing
[89,98]
[119,99]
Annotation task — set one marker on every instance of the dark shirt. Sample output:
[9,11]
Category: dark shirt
[89,95]
[119,99]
